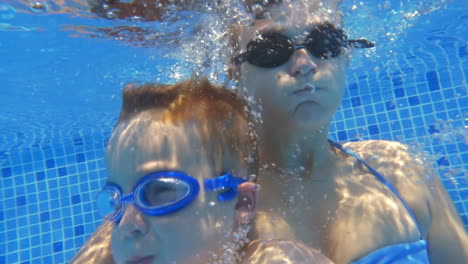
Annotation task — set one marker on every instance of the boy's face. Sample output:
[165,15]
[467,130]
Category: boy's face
[192,234]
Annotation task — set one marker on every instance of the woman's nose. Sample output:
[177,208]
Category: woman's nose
[132,225]
[302,63]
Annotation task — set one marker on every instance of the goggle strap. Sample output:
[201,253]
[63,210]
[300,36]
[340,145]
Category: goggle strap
[217,183]
[225,182]
[127,198]
[227,195]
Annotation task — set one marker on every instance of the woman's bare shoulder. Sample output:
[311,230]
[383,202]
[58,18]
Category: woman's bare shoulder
[397,162]
[410,172]
[97,248]
[383,147]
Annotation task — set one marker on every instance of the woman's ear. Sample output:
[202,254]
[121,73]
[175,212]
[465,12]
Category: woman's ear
[233,72]
[246,205]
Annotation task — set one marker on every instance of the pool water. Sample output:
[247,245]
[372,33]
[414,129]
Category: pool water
[61,81]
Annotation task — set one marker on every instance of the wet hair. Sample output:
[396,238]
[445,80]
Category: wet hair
[225,120]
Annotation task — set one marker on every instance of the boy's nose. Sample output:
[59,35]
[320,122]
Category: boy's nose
[302,63]
[132,225]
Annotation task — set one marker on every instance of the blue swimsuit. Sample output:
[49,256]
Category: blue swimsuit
[415,252]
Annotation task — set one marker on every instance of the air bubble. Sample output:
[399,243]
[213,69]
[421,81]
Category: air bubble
[39,7]
[211,204]
[136,18]
[112,14]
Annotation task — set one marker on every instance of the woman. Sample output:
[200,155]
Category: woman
[360,202]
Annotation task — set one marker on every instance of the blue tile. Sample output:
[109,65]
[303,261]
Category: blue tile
[413,100]
[12,258]
[59,151]
[68,232]
[58,247]
[24,243]
[75,199]
[55,202]
[361,122]
[398,81]
[404,113]
[427,109]
[416,111]
[356,101]
[58,258]
[3,260]
[373,129]
[368,109]
[21,201]
[342,136]
[433,80]
[12,235]
[26,156]
[443,161]
[50,163]
[6,172]
[45,216]
[60,162]
[400,92]
[464,194]
[390,105]
[45,237]
[1,216]
[353,86]
[78,141]
[47,259]
[80,157]
[62,171]
[79,230]
[463,51]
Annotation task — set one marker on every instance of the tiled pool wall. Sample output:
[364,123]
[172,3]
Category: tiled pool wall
[48,184]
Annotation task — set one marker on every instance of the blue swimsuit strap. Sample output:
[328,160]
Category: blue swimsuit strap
[382,179]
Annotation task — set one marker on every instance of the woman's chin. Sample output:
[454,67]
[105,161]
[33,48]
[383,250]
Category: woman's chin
[307,114]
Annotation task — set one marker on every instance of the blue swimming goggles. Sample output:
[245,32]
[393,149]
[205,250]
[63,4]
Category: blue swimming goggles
[162,193]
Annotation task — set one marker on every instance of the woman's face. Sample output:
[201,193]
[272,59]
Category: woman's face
[305,90]
[189,235]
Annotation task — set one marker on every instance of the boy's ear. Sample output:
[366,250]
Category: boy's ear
[246,205]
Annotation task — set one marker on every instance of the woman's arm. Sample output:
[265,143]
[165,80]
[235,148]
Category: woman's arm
[419,184]
[447,238]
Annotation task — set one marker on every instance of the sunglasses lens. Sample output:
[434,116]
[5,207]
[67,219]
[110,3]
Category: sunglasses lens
[269,50]
[162,192]
[326,41]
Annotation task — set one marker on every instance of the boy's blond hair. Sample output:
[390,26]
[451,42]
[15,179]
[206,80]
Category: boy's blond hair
[226,124]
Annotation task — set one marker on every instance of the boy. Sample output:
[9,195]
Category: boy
[180,151]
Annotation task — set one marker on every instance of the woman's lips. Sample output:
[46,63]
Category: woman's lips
[141,260]
[307,89]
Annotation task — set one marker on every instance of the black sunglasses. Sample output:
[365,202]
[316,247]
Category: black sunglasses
[273,49]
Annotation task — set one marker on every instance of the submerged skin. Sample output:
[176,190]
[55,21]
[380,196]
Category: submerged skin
[314,193]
